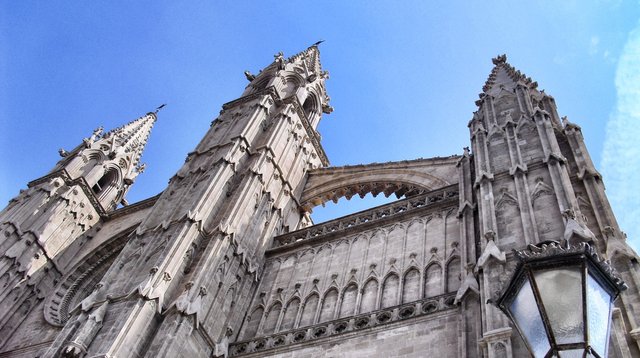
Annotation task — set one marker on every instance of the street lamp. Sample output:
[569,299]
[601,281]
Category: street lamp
[560,299]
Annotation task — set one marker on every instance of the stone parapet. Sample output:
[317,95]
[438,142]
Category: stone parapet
[357,323]
[395,209]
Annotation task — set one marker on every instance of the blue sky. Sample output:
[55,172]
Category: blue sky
[404,76]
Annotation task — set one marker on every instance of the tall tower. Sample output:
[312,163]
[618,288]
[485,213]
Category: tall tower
[45,219]
[534,181]
[181,285]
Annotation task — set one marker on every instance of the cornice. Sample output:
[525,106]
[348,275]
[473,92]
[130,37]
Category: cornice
[379,319]
[137,206]
[447,196]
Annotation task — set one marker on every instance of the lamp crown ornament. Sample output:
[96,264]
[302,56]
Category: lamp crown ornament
[560,299]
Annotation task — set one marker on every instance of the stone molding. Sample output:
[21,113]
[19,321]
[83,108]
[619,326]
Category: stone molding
[137,206]
[57,306]
[395,209]
[357,323]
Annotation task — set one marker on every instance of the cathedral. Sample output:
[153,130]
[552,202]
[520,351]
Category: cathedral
[227,262]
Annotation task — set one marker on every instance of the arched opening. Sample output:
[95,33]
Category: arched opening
[330,210]
[310,108]
[107,181]
[309,310]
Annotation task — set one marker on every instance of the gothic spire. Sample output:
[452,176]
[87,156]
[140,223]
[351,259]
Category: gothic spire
[309,58]
[129,140]
[504,75]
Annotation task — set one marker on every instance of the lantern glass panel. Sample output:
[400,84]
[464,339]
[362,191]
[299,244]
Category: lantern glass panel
[561,293]
[572,353]
[598,316]
[526,315]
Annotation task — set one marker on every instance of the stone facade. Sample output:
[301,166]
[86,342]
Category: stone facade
[226,261]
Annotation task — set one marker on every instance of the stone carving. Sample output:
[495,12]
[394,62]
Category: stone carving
[574,229]
[249,76]
[77,347]
[469,285]
[491,251]
[233,246]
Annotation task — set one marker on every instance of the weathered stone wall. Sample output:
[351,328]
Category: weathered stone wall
[84,263]
[430,336]
[374,260]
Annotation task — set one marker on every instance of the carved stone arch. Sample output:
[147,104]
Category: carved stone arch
[406,178]
[306,251]
[390,272]
[271,317]
[312,107]
[293,77]
[108,183]
[378,231]
[409,268]
[348,299]
[94,154]
[332,286]
[540,189]
[253,322]
[506,198]
[326,246]
[309,309]
[329,302]
[395,226]
[433,278]
[359,237]
[290,313]
[369,293]
[411,284]
[82,278]
[90,159]
[503,93]
[525,124]
[433,260]
[294,295]
[390,290]
[311,293]
[453,274]
[583,203]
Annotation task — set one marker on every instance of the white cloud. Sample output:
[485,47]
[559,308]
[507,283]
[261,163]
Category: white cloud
[621,153]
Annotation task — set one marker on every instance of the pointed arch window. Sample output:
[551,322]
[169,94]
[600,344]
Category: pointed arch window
[107,181]
[310,107]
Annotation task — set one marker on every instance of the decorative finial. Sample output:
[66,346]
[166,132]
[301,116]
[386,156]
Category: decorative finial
[317,43]
[500,59]
[160,107]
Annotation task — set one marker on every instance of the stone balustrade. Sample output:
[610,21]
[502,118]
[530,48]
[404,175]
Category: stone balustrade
[426,306]
[367,216]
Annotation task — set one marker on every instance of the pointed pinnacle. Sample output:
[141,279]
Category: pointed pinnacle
[317,43]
